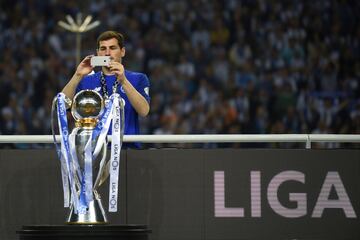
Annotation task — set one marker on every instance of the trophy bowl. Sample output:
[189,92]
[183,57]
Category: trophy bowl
[87,107]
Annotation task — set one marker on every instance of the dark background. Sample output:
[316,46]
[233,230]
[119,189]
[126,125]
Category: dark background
[172,191]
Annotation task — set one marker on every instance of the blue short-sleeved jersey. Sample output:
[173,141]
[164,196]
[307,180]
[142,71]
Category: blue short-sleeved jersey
[139,81]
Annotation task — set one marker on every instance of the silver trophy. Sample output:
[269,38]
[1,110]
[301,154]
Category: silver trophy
[87,108]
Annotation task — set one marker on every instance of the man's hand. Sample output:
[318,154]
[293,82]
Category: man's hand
[83,69]
[84,66]
[119,71]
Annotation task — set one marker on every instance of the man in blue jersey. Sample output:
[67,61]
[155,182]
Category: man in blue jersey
[133,87]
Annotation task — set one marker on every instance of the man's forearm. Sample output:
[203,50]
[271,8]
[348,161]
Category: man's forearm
[136,99]
[69,89]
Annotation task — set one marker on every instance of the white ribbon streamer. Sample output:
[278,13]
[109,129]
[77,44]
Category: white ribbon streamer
[115,157]
[73,154]
[88,171]
[65,181]
[65,153]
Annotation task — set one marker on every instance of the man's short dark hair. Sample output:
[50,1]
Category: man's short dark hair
[108,35]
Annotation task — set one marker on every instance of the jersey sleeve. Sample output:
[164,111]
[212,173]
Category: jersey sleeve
[85,83]
[144,87]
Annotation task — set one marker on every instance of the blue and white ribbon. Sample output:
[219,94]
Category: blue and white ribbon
[115,157]
[87,185]
[73,153]
[64,178]
[66,163]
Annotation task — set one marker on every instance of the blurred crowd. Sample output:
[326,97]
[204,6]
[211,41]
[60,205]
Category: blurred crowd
[229,67]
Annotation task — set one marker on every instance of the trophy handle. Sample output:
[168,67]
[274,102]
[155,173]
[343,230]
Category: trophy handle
[68,104]
[104,168]
[105,174]
[53,107]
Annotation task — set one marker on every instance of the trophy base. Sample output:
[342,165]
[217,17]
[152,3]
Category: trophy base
[94,215]
[84,232]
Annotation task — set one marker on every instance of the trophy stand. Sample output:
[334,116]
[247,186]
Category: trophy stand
[84,232]
[94,215]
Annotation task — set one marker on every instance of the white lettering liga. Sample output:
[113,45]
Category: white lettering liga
[332,181]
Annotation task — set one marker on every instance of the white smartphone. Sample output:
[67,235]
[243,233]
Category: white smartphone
[100,61]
